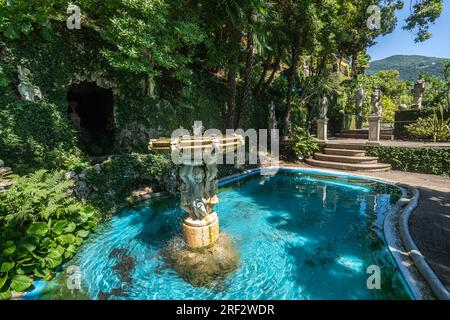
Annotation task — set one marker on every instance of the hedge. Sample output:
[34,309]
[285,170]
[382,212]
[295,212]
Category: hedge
[404,118]
[421,160]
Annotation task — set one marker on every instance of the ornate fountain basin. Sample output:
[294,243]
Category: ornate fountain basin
[198,157]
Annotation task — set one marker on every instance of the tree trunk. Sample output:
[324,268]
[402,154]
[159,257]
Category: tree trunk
[275,68]
[291,83]
[354,64]
[231,85]
[233,66]
[247,78]
[262,78]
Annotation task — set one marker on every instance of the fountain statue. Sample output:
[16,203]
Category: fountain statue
[376,102]
[204,253]
[417,92]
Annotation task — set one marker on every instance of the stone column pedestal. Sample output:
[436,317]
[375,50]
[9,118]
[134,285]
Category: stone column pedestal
[201,233]
[374,129]
[322,128]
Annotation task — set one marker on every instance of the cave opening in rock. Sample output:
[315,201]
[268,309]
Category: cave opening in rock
[90,109]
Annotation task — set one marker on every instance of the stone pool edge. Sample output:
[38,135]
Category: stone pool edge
[398,238]
[399,215]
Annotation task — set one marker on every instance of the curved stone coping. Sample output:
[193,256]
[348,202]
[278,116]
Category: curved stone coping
[388,234]
[419,260]
[397,239]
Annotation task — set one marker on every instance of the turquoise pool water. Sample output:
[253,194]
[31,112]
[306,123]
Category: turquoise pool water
[299,236]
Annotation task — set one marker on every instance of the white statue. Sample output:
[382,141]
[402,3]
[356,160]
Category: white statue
[272,117]
[323,107]
[377,108]
[27,90]
[359,99]
[418,90]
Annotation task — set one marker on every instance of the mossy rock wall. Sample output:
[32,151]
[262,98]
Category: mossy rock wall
[35,135]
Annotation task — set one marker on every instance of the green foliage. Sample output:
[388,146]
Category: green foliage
[435,127]
[389,109]
[423,14]
[122,174]
[146,40]
[41,226]
[36,135]
[21,17]
[304,144]
[405,118]
[422,160]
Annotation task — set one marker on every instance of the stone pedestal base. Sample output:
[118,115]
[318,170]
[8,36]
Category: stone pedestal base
[374,129]
[201,233]
[203,267]
[322,128]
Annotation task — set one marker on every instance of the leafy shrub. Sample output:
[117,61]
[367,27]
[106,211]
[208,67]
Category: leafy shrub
[35,136]
[434,127]
[422,160]
[389,109]
[304,144]
[41,226]
[405,118]
[119,175]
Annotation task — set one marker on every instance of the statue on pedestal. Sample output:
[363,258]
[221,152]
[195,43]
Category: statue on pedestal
[377,108]
[417,92]
[359,100]
[323,107]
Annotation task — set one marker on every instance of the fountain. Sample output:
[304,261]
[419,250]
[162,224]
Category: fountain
[204,254]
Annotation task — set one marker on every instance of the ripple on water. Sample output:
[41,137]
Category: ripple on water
[299,236]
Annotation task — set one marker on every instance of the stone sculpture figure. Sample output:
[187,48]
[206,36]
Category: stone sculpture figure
[359,99]
[323,107]
[272,117]
[417,92]
[27,90]
[376,102]
[198,182]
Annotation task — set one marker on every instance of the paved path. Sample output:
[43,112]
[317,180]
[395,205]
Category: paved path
[429,223]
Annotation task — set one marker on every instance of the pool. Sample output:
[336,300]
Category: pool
[300,235]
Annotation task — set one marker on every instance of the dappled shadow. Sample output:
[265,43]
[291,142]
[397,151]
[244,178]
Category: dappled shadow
[430,228]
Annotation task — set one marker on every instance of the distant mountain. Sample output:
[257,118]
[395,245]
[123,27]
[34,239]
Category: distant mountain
[408,66]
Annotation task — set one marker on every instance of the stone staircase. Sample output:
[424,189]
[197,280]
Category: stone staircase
[5,183]
[346,156]
[385,134]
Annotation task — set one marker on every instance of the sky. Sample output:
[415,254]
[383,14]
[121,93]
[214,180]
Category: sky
[402,41]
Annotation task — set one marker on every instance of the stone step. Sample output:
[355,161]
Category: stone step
[345,152]
[363,136]
[344,159]
[367,167]
[4,171]
[346,145]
